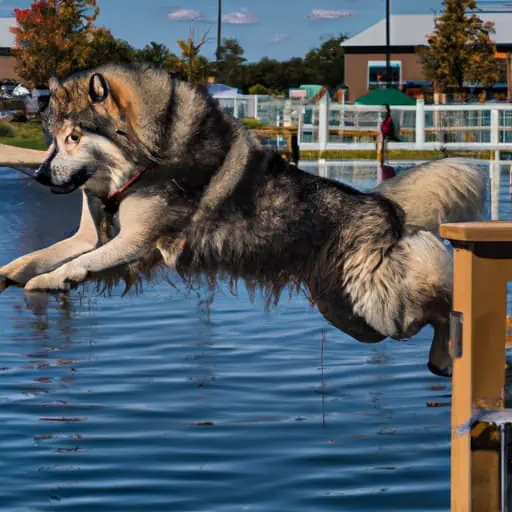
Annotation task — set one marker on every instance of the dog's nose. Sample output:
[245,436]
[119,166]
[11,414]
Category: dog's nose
[43,175]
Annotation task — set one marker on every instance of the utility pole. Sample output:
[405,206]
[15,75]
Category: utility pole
[219,30]
[388,43]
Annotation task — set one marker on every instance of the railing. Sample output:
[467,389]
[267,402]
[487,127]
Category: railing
[269,110]
[331,126]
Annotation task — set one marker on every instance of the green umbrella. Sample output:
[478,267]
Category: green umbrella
[391,97]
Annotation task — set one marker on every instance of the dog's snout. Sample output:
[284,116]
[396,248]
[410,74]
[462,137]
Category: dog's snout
[43,175]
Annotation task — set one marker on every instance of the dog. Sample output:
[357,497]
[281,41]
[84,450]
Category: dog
[169,180]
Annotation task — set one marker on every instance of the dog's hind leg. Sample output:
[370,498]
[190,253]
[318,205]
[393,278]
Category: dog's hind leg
[39,262]
[439,359]
[139,229]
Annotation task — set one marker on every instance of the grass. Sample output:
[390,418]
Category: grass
[391,155]
[23,135]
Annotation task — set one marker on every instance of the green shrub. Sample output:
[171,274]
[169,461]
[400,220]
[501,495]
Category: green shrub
[259,89]
[251,123]
[6,130]
[12,104]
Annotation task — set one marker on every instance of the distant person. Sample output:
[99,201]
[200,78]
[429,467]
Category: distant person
[387,130]
[387,127]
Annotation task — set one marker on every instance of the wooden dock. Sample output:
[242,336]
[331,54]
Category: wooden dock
[12,155]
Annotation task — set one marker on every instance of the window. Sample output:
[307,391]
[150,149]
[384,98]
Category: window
[377,73]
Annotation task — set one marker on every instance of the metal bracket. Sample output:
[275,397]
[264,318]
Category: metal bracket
[456,321]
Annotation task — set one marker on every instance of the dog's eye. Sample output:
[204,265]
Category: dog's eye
[73,138]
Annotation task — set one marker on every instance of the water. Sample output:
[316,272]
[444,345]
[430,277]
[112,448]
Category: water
[164,402]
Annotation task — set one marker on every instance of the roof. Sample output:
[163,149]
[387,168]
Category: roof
[221,90]
[411,29]
[7,40]
[311,90]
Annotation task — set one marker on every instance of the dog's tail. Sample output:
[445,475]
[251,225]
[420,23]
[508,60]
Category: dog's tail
[436,192]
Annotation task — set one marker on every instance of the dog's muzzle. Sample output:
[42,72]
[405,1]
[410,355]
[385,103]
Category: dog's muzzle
[43,175]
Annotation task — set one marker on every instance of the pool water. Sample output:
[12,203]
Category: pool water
[168,401]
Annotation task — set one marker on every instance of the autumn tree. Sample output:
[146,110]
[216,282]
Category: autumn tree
[460,49]
[51,36]
[195,66]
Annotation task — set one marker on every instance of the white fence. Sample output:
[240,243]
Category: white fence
[269,110]
[332,126]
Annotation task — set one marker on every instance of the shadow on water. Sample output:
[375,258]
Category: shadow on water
[168,401]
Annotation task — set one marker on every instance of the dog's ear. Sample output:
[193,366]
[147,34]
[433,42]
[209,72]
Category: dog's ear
[53,84]
[98,88]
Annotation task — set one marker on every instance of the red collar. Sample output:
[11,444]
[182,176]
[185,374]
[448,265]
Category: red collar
[130,182]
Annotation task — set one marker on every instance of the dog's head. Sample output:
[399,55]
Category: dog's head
[107,123]
[91,120]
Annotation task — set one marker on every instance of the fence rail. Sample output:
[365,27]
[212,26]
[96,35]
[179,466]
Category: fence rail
[423,127]
[332,126]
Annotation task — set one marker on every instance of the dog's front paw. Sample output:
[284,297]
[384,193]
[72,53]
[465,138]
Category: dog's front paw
[62,279]
[18,272]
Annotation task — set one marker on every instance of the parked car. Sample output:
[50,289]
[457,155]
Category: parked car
[20,91]
[37,101]
[6,89]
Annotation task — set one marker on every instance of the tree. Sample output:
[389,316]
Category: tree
[155,53]
[195,67]
[103,47]
[51,37]
[230,62]
[460,49]
[326,64]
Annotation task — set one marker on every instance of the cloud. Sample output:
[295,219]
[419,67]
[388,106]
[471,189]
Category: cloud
[240,18]
[279,38]
[324,14]
[186,15]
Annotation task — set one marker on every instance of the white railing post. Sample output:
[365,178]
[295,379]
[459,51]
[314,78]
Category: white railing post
[420,123]
[495,125]
[323,169]
[323,122]
[495,175]
[301,111]
[235,108]
[256,106]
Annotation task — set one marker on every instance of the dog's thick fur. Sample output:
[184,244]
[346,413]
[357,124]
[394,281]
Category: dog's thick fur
[213,202]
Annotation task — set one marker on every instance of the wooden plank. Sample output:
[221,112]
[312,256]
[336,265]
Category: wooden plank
[478,377]
[486,231]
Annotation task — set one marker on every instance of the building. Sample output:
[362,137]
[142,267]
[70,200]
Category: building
[7,44]
[365,53]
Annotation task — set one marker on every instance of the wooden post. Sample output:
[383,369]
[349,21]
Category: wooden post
[381,157]
[482,268]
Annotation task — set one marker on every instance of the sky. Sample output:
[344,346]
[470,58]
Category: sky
[277,29]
